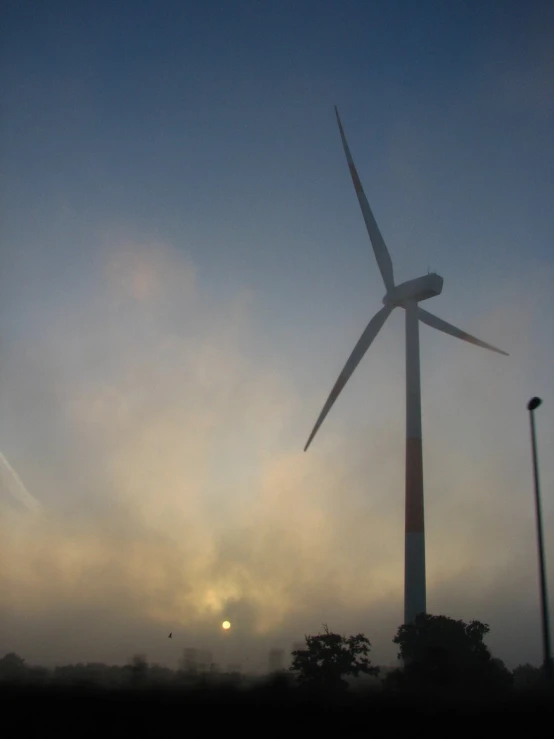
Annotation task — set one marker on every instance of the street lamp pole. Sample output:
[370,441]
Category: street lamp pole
[532,405]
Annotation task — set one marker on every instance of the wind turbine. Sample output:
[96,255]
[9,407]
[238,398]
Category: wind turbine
[407,295]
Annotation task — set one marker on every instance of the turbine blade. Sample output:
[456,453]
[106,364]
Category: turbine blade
[371,331]
[379,247]
[447,328]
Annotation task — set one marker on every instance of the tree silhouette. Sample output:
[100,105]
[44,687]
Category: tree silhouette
[12,668]
[443,652]
[435,636]
[329,658]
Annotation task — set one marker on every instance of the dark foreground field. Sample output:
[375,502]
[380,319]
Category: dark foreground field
[264,710]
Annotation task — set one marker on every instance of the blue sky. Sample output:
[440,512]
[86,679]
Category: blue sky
[184,268]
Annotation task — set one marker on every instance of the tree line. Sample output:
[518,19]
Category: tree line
[435,653]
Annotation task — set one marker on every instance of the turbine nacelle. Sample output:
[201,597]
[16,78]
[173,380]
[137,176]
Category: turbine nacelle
[416,290]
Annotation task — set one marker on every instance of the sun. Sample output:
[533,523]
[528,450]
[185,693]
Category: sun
[226,625]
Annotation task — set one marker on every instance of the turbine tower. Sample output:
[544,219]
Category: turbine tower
[407,295]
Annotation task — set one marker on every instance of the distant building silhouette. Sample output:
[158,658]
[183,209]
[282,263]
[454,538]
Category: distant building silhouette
[204,660]
[197,661]
[190,660]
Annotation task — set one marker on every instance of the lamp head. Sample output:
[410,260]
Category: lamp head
[533,403]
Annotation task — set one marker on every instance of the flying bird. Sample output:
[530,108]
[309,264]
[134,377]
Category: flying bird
[170,635]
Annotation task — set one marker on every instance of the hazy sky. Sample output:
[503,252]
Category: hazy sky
[184,271]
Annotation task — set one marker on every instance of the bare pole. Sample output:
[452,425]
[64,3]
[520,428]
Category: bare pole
[533,404]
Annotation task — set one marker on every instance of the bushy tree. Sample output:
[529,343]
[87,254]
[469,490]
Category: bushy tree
[443,652]
[496,676]
[436,636]
[12,668]
[329,658]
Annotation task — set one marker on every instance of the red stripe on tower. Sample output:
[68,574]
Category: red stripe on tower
[414,486]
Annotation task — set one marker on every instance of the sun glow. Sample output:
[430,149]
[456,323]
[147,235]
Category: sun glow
[226,625]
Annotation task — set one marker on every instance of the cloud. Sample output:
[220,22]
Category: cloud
[175,495]
[180,502]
